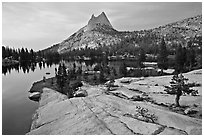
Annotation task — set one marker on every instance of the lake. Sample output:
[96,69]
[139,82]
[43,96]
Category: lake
[17,108]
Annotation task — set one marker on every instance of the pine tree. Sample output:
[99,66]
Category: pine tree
[101,76]
[73,71]
[184,53]
[162,57]
[95,78]
[3,52]
[180,59]
[64,70]
[79,72]
[190,57]
[22,55]
[142,57]
[123,69]
[61,77]
[114,71]
[178,87]
[32,54]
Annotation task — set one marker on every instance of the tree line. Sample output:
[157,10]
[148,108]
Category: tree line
[185,57]
[174,55]
[20,54]
[25,55]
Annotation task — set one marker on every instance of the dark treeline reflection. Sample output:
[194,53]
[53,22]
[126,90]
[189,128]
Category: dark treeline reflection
[26,67]
[88,65]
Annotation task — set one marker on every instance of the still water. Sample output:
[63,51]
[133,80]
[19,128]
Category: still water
[17,108]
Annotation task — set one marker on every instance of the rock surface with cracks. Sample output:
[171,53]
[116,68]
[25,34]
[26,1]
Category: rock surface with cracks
[111,112]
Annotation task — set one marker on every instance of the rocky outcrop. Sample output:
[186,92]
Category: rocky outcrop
[97,32]
[113,112]
[97,21]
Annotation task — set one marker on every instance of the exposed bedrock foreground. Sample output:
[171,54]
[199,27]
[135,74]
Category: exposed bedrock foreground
[118,112]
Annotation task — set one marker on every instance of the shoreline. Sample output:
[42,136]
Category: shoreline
[51,99]
[39,85]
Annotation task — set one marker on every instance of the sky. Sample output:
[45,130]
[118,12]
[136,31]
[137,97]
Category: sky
[40,25]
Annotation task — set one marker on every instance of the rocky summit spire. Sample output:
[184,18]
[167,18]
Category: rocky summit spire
[92,16]
[99,20]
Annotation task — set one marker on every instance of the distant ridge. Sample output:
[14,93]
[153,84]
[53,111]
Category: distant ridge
[100,33]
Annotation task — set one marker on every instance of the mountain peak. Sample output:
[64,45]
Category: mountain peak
[99,20]
[92,16]
[102,14]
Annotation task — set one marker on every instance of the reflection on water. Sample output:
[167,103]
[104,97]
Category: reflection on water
[26,67]
[17,109]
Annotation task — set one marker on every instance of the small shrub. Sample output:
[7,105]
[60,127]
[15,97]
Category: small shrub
[144,113]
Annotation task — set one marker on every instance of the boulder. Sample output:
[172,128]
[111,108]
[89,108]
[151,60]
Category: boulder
[126,81]
[35,96]
[189,111]
[136,98]
[81,93]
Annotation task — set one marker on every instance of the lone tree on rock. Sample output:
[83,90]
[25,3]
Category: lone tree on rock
[179,86]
